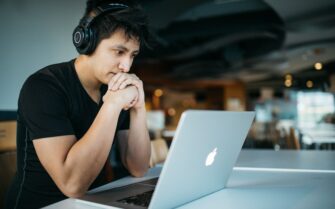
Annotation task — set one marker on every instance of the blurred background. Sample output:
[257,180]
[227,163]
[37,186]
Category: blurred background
[276,58]
[273,57]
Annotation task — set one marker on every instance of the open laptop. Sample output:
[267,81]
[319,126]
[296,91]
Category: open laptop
[201,157]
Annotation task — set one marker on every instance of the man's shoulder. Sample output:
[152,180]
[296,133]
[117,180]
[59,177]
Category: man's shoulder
[52,77]
[55,69]
[52,73]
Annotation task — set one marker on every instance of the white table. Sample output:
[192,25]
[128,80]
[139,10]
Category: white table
[321,134]
[272,190]
[287,159]
[264,179]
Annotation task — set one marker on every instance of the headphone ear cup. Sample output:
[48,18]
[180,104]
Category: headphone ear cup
[91,44]
[79,38]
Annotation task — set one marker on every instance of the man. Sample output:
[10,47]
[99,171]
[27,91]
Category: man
[71,114]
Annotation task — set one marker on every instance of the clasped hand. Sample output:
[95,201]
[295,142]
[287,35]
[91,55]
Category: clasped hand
[127,89]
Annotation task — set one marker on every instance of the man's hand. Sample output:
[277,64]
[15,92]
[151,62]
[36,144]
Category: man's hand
[121,81]
[126,97]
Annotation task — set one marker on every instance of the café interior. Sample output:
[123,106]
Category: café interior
[246,56]
[276,58]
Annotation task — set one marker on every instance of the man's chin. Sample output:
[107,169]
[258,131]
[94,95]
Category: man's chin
[108,78]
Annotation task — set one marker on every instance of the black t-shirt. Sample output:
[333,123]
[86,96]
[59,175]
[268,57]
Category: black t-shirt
[52,103]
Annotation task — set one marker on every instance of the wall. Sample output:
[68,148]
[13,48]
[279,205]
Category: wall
[34,33]
[234,97]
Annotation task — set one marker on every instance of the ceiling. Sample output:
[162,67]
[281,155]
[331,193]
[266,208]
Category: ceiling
[257,42]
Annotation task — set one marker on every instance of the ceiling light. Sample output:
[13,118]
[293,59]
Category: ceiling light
[288,83]
[172,111]
[158,92]
[318,66]
[309,84]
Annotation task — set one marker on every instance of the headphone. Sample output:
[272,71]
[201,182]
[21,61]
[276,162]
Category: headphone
[84,36]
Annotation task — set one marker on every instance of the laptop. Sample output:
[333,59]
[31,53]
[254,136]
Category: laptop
[203,152]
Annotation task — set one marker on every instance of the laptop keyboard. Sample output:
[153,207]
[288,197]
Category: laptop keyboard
[142,199]
[151,182]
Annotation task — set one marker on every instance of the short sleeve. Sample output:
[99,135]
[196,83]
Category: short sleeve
[43,107]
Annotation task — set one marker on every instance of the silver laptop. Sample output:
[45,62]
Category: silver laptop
[201,157]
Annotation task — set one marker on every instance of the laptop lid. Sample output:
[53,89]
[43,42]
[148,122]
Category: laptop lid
[201,157]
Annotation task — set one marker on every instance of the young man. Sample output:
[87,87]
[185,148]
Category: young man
[72,115]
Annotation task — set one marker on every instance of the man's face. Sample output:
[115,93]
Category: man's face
[114,54]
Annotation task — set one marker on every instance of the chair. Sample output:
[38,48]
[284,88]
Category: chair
[7,155]
[287,139]
[8,169]
[292,139]
[7,136]
[159,151]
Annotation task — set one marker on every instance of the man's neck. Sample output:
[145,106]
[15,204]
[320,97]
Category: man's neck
[84,70]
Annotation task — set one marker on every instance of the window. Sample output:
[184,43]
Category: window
[312,106]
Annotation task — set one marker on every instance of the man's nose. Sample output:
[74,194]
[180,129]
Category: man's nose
[125,65]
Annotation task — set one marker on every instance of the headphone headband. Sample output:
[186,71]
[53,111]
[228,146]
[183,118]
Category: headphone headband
[84,37]
[100,10]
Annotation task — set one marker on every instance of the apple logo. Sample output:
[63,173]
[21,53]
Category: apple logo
[211,157]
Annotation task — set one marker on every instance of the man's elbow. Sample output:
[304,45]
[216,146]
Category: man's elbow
[73,190]
[139,172]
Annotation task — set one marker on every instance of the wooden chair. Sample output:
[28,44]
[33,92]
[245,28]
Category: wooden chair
[159,151]
[287,139]
[7,136]
[292,140]
[8,169]
[7,156]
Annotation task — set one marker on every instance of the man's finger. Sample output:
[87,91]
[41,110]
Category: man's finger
[125,83]
[118,82]
[113,80]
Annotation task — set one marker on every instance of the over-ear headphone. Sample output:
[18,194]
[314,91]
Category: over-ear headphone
[84,36]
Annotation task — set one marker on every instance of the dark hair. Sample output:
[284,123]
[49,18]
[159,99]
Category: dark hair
[132,20]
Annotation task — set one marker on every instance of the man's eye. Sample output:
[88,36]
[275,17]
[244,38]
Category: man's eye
[118,52]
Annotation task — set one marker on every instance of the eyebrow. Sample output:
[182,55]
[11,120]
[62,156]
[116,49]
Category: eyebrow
[121,47]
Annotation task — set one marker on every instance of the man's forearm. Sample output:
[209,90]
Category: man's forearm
[138,149]
[87,157]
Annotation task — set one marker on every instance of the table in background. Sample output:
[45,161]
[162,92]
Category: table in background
[319,135]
